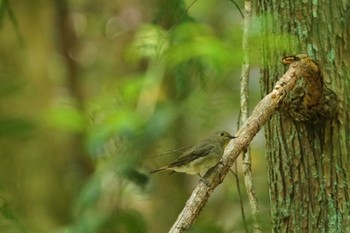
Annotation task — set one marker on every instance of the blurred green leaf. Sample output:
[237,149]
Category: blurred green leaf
[136,177]
[88,196]
[9,87]
[128,220]
[5,6]
[150,42]
[8,213]
[187,32]
[117,122]
[6,210]
[15,127]
[130,89]
[66,118]
[195,41]
[285,44]
[206,228]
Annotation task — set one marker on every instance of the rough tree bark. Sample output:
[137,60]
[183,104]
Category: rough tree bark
[308,154]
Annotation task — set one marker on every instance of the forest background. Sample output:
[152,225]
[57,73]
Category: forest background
[93,91]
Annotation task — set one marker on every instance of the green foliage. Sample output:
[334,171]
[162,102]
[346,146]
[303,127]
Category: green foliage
[8,216]
[207,228]
[125,221]
[10,87]
[14,127]
[124,121]
[6,8]
[149,42]
[193,41]
[145,88]
[66,118]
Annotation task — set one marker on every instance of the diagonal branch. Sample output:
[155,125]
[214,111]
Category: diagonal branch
[260,115]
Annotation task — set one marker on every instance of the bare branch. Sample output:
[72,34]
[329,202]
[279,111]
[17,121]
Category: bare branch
[260,115]
[240,198]
[248,177]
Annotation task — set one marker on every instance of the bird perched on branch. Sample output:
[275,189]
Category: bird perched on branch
[201,157]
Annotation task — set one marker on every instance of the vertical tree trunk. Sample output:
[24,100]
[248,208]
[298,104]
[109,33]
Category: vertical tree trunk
[309,158]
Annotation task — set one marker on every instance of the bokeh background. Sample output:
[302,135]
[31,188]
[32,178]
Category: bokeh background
[94,94]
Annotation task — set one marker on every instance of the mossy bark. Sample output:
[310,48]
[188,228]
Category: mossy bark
[308,160]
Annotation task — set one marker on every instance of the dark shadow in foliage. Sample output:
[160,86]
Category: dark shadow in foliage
[15,127]
[5,7]
[8,216]
[127,220]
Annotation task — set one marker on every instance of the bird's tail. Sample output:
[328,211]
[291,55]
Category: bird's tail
[158,170]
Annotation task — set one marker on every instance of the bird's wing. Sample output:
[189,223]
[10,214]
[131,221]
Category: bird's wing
[192,154]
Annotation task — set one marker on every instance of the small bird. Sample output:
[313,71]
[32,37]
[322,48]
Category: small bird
[200,158]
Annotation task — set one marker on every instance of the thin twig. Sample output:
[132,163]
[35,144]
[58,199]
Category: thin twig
[248,178]
[68,43]
[6,6]
[237,182]
[239,9]
[183,15]
[260,115]
[240,198]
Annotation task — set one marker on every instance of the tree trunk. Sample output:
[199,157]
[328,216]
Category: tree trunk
[308,155]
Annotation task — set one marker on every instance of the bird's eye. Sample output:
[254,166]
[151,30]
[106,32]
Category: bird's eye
[222,133]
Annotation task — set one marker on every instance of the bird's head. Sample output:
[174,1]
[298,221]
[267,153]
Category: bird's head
[223,137]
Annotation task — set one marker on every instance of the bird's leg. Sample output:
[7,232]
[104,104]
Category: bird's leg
[203,180]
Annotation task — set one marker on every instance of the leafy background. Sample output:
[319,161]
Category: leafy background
[77,144]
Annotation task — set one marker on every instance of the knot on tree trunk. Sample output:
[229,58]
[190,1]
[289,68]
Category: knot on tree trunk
[309,100]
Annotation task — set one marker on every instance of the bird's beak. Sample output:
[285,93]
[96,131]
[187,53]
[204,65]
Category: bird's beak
[232,137]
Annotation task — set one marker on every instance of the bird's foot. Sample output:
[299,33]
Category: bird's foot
[202,179]
[205,181]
